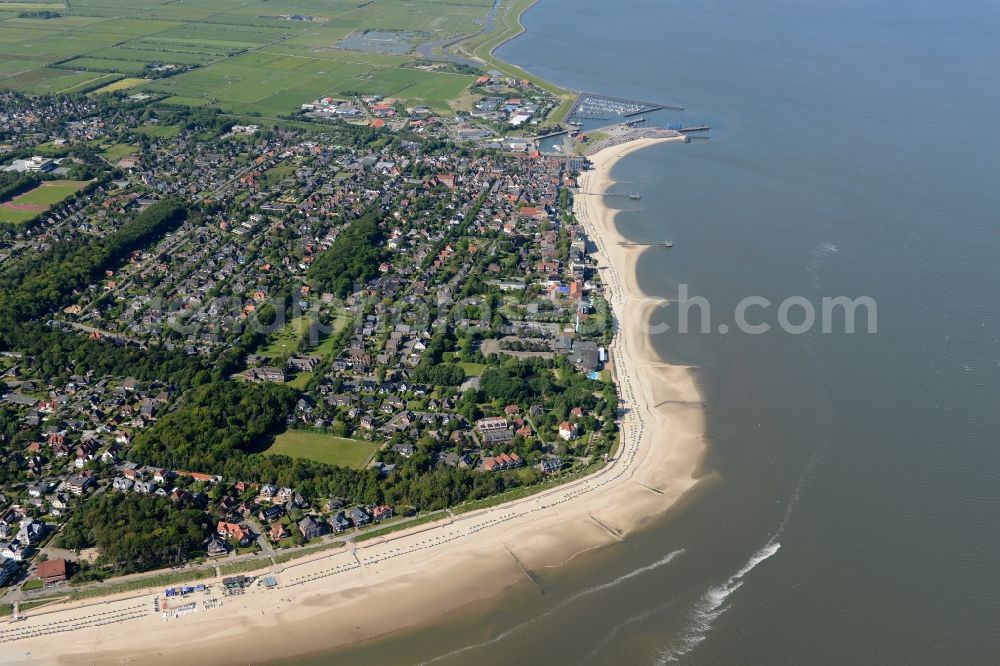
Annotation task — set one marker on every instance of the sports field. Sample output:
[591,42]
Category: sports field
[34,202]
[262,56]
[324,448]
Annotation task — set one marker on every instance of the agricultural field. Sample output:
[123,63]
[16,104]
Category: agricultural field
[34,202]
[121,84]
[320,447]
[264,57]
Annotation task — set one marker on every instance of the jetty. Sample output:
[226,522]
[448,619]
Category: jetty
[551,134]
[650,110]
[666,243]
[634,195]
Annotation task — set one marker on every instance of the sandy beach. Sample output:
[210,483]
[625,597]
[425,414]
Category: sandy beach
[411,577]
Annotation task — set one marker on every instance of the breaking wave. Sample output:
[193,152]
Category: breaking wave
[817,257]
[712,605]
[826,249]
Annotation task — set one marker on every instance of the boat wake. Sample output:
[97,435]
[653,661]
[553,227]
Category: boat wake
[663,561]
[713,604]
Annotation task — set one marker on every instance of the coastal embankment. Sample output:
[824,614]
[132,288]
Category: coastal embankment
[414,576]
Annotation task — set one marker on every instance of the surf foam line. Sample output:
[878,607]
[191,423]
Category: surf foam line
[713,604]
[663,561]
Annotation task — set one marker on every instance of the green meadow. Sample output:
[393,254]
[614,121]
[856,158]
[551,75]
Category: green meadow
[244,58]
[320,447]
[38,200]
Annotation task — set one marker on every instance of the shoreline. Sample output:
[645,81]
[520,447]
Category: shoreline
[489,58]
[413,576]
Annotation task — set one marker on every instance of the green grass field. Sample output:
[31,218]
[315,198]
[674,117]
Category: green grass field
[34,202]
[472,369]
[51,192]
[246,58]
[160,131]
[324,448]
[16,216]
[118,151]
[285,341]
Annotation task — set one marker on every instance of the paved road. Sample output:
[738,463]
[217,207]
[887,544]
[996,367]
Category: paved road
[262,540]
[105,334]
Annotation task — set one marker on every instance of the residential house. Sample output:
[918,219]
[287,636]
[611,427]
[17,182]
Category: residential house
[12,550]
[340,523]
[491,423]
[277,532]
[242,535]
[567,430]
[550,465]
[8,569]
[359,516]
[310,528]
[122,484]
[271,513]
[492,438]
[51,572]
[78,484]
[217,547]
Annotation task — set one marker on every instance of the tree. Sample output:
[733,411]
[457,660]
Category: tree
[136,532]
[353,257]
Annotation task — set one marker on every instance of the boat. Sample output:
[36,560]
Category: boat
[668,243]
[635,196]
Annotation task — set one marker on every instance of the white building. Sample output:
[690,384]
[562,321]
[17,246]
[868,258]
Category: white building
[519,119]
[36,164]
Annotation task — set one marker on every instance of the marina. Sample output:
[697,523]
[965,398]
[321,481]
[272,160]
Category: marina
[589,106]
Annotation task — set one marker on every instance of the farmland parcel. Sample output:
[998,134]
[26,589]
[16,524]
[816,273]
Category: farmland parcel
[261,57]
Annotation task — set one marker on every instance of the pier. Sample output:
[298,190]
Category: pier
[551,134]
[660,107]
[657,244]
[635,196]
